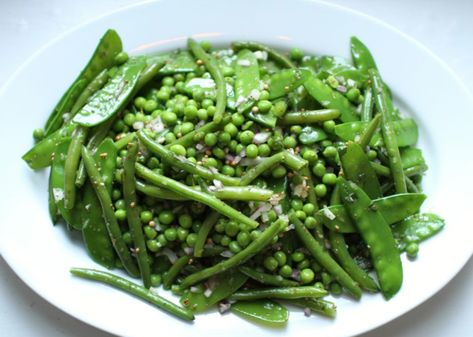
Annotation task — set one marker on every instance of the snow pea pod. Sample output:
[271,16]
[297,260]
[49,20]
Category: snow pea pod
[42,153]
[340,67]
[310,135]
[330,98]
[247,80]
[286,80]
[357,168]
[393,208]
[103,57]
[71,165]
[94,231]
[405,130]
[361,55]
[108,101]
[272,54]
[220,286]
[377,235]
[174,62]
[262,311]
[411,157]
[417,228]
[96,84]
[268,119]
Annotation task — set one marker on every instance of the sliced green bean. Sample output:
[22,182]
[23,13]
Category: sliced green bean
[108,213]
[384,106]
[309,117]
[186,191]
[71,165]
[214,70]
[281,293]
[134,289]
[133,213]
[272,54]
[252,249]
[324,258]
[204,231]
[183,163]
[170,276]
[268,279]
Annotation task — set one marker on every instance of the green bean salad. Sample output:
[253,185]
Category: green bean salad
[244,178]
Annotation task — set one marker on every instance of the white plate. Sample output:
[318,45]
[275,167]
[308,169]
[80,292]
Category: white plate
[42,254]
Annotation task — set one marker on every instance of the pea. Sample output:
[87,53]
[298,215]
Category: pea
[307,275]
[153,163]
[225,241]
[206,103]
[329,126]
[310,156]
[191,239]
[186,127]
[120,214]
[185,221]
[156,280]
[121,58]
[127,238]
[234,247]
[252,151]
[296,54]
[163,95]
[190,112]
[264,106]
[279,108]
[279,171]
[308,208]
[210,139]
[412,249]
[120,204]
[285,271]
[146,216]
[231,228]
[231,129]
[198,94]
[335,288]
[330,152]
[116,194]
[169,137]
[237,120]
[182,234]
[353,94]
[372,154]
[318,169]
[243,239]
[264,150]
[140,102]
[211,110]
[169,117]
[301,215]
[297,256]
[297,204]
[303,264]
[272,215]
[170,234]
[329,179]
[246,137]
[224,138]
[166,217]
[150,105]
[289,142]
[153,245]
[281,257]
[218,152]
[210,162]
[202,114]
[228,170]
[178,149]
[129,119]
[297,129]
[326,278]
[254,234]
[320,190]
[270,263]
[332,81]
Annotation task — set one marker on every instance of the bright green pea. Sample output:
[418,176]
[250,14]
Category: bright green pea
[329,179]
[153,245]
[146,216]
[185,221]
[202,114]
[333,82]
[186,127]
[246,137]
[297,256]
[121,58]
[301,215]
[140,102]
[191,239]
[243,239]
[178,149]
[297,204]
[319,169]
[255,234]
[310,156]
[252,151]
[166,217]
[210,162]
[163,95]
[206,103]
[279,108]
[264,95]
[285,271]
[198,94]
[320,190]
[289,142]
[330,151]
[264,150]
[372,154]
[279,171]
[297,129]
[190,112]
[169,117]
[150,232]
[169,137]
[182,234]
[150,105]
[234,247]
[307,275]
[218,152]
[237,120]
[225,241]
[156,280]
[296,54]
[220,227]
[329,126]
[210,139]
[281,257]
[231,228]
[264,106]
[231,129]
[353,94]
[310,222]
[170,234]
[412,249]
[129,119]
[308,208]
[224,138]
[116,194]
[228,170]
[120,214]
[270,263]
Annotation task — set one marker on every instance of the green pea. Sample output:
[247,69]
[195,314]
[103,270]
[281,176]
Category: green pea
[301,215]
[191,239]
[210,162]
[116,194]
[218,152]
[264,150]
[178,149]
[231,129]
[198,94]
[231,228]
[239,148]
[412,249]
[127,238]
[225,241]
[372,154]
[146,216]
[332,81]
[246,137]
[234,247]
[329,179]
[163,95]
[330,151]
[290,142]
[264,106]
[166,217]
[329,126]
[297,204]
[190,112]
[228,170]
[272,215]
[140,102]
[237,120]
[285,271]
[310,156]
[120,204]
[252,151]
[270,263]
[326,278]
[224,138]
[150,105]
[156,280]
[303,264]
[153,245]
[169,117]
[296,54]
[319,169]
[186,127]
[120,214]
[182,234]
[202,114]
[353,94]
[185,221]
[336,289]
[281,257]
[320,190]
[308,208]
[150,232]
[297,256]
[170,234]
[243,239]
[169,137]
[121,58]
[129,119]
[307,275]
[210,139]
[279,171]
[254,234]
[38,134]
[279,108]
[206,103]
[297,129]
[310,222]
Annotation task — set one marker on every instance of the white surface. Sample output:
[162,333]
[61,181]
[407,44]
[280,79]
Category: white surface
[23,313]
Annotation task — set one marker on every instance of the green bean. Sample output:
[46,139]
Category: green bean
[324,258]
[272,54]
[109,215]
[384,106]
[293,161]
[171,274]
[123,141]
[242,193]
[317,305]
[378,237]
[380,169]
[71,164]
[367,106]
[214,70]
[204,231]
[254,172]
[281,293]
[339,248]
[411,187]
[252,249]
[96,84]
[132,213]
[183,163]
[309,117]
[186,191]
[134,289]
[413,170]
[369,131]
[268,279]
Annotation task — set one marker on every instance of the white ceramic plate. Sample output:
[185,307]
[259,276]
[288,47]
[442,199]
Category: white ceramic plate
[42,254]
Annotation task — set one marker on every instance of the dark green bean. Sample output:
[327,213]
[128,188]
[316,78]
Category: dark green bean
[192,194]
[309,117]
[171,274]
[252,249]
[134,289]
[268,279]
[281,293]
[204,231]
[109,215]
[214,70]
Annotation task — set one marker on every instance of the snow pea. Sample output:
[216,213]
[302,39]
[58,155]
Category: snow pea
[247,80]
[272,54]
[361,55]
[262,311]
[103,57]
[411,157]
[267,119]
[377,235]
[56,179]
[417,228]
[357,168]
[222,286]
[340,67]
[330,98]
[94,231]
[174,62]
[311,135]
[71,165]
[405,130]
[287,80]
[42,153]
[108,101]
[393,208]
